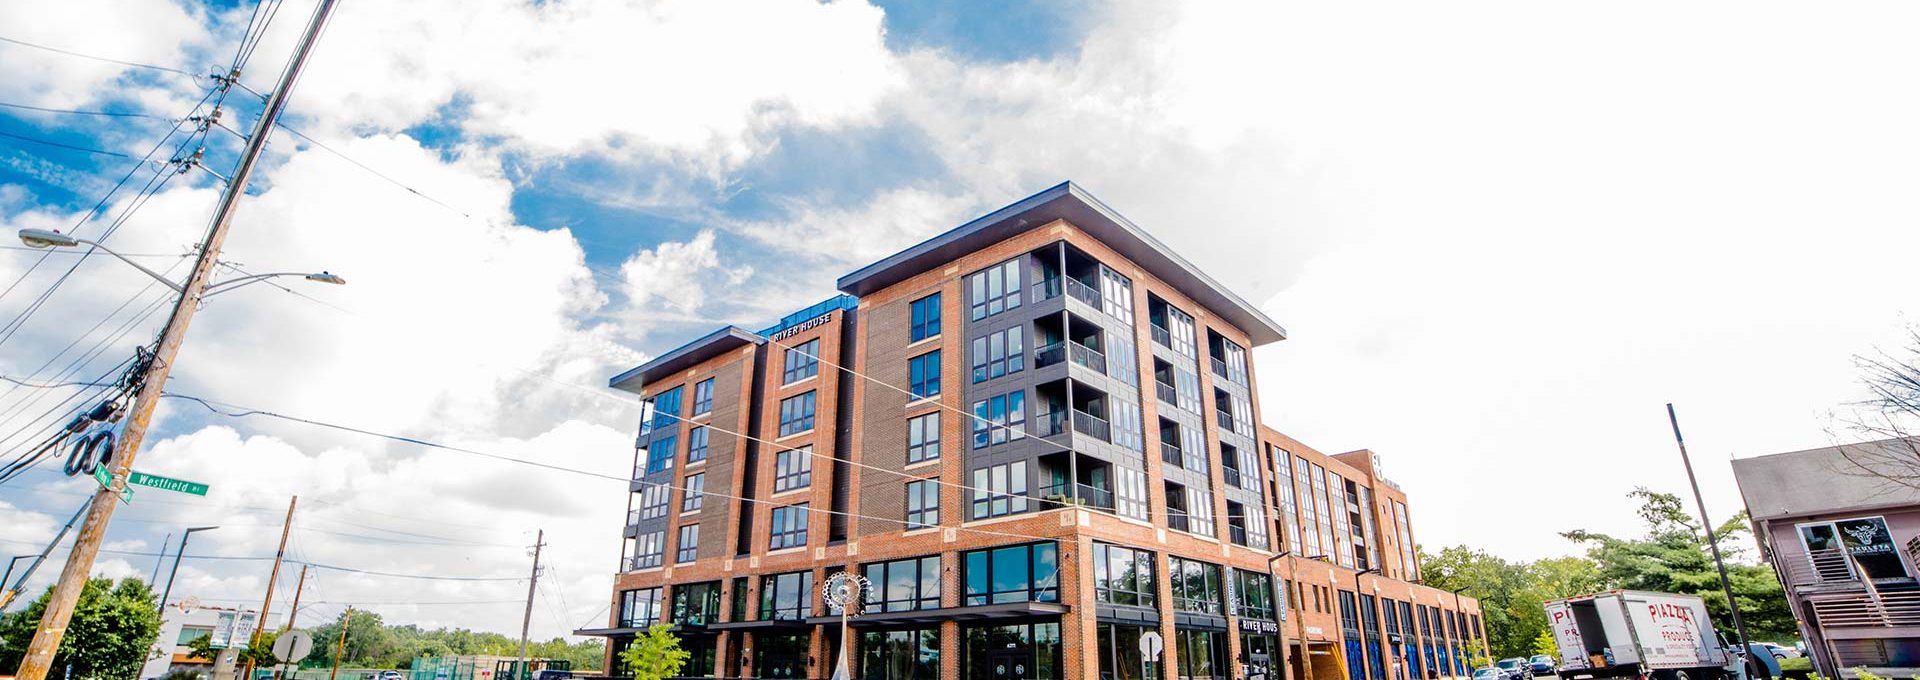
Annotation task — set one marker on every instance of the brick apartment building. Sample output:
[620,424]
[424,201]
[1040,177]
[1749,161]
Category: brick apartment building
[1035,435]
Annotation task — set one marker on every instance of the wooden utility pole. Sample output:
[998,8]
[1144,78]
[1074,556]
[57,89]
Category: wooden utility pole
[273,579]
[295,611]
[38,660]
[346,619]
[526,622]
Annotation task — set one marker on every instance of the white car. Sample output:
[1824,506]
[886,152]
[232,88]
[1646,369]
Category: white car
[1780,651]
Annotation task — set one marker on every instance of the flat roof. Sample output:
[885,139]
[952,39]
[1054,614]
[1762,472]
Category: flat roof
[721,341]
[1067,201]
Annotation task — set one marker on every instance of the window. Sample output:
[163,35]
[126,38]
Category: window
[924,375]
[703,397]
[926,318]
[1000,419]
[802,361]
[786,596]
[639,608]
[1837,549]
[1195,585]
[660,454]
[1000,490]
[996,289]
[648,549]
[1019,573]
[666,408]
[1116,295]
[697,444]
[739,597]
[190,633]
[1130,490]
[1120,657]
[1123,575]
[998,354]
[1199,653]
[1407,562]
[697,603]
[1186,390]
[923,437]
[793,469]
[1309,517]
[923,503]
[1122,363]
[689,546]
[1180,327]
[1235,360]
[1200,507]
[1342,534]
[695,495]
[1253,595]
[1283,490]
[907,654]
[1256,524]
[906,585]
[653,500]
[789,527]
[1242,414]
[1126,425]
[796,414]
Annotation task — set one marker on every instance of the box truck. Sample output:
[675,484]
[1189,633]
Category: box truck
[1628,633]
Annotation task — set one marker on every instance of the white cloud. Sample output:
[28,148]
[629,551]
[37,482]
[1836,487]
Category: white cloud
[161,33]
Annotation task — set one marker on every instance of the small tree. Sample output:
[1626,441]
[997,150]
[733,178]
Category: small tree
[1544,644]
[655,655]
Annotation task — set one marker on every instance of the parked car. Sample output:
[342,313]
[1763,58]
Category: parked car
[391,675]
[1489,673]
[1516,668]
[1780,651]
[1543,665]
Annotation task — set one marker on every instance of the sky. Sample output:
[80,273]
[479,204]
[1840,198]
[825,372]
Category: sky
[1502,236]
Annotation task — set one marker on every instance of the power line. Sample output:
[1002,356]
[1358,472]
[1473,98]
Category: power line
[77,112]
[34,140]
[121,62]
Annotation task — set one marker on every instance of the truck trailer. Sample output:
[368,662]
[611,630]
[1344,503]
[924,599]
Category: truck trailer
[1629,633]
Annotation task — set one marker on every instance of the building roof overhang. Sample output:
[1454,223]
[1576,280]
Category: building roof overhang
[1069,202]
[721,341]
[1009,610]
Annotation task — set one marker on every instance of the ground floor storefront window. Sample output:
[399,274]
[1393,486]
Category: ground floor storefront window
[703,651]
[900,654]
[1201,654]
[780,655]
[1120,657]
[1020,651]
[1260,655]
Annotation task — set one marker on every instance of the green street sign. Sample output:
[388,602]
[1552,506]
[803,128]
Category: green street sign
[105,478]
[167,483]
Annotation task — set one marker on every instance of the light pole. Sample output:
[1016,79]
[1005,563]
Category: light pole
[44,238]
[176,565]
[1299,622]
[15,560]
[1365,660]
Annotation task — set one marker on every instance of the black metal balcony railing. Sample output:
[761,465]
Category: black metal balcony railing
[1166,392]
[1170,453]
[1224,418]
[1231,475]
[1047,289]
[1237,534]
[1062,494]
[1050,423]
[1083,292]
[1160,335]
[1091,425]
[1219,367]
[1087,356]
[1177,520]
[1049,354]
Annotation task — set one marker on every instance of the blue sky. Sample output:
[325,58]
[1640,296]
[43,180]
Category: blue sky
[1500,239]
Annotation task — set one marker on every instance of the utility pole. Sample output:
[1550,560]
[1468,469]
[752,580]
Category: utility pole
[7,595]
[526,622]
[1706,525]
[339,649]
[38,659]
[159,559]
[273,579]
[295,611]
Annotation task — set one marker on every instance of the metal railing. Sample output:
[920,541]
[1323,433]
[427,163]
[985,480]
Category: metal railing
[1237,534]
[1231,475]
[1047,289]
[1224,418]
[1160,334]
[1049,354]
[633,518]
[1050,423]
[1220,368]
[1166,393]
[1083,292]
[1820,567]
[640,468]
[1087,356]
[1868,608]
[1062,494]
[1091,425]
[1171,453]
[1177,520]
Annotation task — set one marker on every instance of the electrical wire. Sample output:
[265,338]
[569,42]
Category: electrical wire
[52,143]
[76,112]
[121,62]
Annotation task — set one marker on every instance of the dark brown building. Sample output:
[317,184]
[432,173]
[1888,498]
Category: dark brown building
[1035,435]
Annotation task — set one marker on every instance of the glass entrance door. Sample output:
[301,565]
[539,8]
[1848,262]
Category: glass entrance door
[1011,665]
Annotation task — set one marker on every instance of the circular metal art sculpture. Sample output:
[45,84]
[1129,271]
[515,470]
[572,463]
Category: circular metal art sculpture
[850,592]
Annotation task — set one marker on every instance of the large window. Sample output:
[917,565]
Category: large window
[660,454]
[789,527]
[1130,492]
[1253,595]
[901,654]
[1116,295]
[1000,419]
[703,397]
[688,549]
[996,289]
[1126,425]
[653,500]
[1018,573]
[802,362]
[639,608]
[923,503]
[1120,657]
[923,437]
[793,468]
[1200,654]
[1123,575]
[904,585]
[786,596]
[796,414]
[695,495]
[697,603]
[998,354]
[923,375]
[1842,549]
[1000,490]
[1195,584]
[649,549]
[926,318]
[697,444]
[666,408]
[987,647]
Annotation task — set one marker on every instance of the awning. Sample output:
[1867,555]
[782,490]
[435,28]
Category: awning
[768,624]
[1010,610]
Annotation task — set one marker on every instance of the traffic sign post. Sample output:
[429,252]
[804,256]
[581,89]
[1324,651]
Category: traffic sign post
[167,483]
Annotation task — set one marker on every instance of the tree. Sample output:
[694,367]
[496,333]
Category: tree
[1510,593]
[655,655]
[261,655]
[112,628]
[1673,557]
[1544,644]
[1889,419]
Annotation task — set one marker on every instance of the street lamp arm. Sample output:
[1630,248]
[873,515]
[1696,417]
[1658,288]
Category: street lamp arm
[149,272]
[231,284]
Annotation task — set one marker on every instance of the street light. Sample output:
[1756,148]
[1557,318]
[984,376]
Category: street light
[176,564]
[46,238]
[16,560]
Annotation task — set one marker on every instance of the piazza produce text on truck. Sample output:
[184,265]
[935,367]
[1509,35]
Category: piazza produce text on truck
[1629,633]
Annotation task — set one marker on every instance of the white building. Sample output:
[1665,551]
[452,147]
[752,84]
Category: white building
[179,625]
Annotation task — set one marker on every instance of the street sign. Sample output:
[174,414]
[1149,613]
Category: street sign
[168,483]
[105,478]
[243,629]
[292,646]
[222,634]
[1150,645]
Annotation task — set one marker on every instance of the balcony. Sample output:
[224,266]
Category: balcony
[1237,534]
[1161,336]
[1224,418]
[640,469]
[1178,521]
[1061,494]
[1047,289]
[1220,368]
[1171,454]
[1086,356]
[1050,354]
[1091,425]
[638,562]
[1083,292]
[1050,423]
[1231,475]
[633,518]
[1869,608]
[1166,393]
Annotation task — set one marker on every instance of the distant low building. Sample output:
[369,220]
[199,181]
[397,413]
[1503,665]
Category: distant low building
[179,626]
[1844,544]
